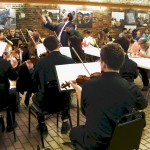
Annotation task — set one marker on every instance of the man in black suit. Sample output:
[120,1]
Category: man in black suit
[104,100]
[61,33]
[44,74]
[8,97]
[129,69]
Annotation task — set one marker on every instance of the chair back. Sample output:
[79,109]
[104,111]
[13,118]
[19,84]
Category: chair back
[128,131]
[54,100]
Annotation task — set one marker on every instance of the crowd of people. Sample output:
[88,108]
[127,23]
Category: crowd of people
[35,71]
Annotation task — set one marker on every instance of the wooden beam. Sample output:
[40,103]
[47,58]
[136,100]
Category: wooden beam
[85,3]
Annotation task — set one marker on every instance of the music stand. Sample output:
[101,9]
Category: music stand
[69,72]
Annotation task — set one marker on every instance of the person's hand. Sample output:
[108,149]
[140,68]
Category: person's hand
[29,64]
[13,62]
[67,29]
[75,85]
[142,55]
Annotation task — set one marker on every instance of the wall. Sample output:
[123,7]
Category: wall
[31,20]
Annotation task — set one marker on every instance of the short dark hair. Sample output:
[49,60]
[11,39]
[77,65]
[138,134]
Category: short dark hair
[123,42]
[113,55]
[51,43]
[70,16]
[86,32]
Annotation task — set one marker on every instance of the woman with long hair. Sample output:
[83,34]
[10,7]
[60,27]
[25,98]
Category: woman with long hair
[75,42]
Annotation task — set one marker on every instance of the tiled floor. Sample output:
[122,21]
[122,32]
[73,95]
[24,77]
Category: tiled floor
[54,139]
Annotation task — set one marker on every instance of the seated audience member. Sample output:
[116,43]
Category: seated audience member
[44,73]
[129,69]
[88,39]
[144,52]
[139,34]
[108,37]
[101,39]
[8,97]
[134,46]
[146,34]
[123,33]
[75,42]
[104,100]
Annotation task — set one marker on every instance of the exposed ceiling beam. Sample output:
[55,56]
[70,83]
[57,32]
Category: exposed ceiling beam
[86,3]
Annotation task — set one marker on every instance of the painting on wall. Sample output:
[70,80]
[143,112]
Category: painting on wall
[69,9]
[7,18]
[130,17]
[117,20]
[52,16]
[84,19]
[142,19]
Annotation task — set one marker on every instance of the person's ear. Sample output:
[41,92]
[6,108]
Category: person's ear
[103,65]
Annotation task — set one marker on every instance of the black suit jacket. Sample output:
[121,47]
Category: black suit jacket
[44,71]
[65,35]
[104,100]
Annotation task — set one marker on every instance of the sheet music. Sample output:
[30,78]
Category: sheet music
[3,46]
[40,49]
[90,50]
[65,51]
[69,72]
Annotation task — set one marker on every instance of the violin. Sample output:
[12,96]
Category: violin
[81,79]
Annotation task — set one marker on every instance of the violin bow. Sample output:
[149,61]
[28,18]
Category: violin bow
[81,60]
[31,37]
[23,35]
[57,38]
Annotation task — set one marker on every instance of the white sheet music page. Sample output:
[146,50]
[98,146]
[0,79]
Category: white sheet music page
[3,47]
[40,49]
[69,72]
[65,51]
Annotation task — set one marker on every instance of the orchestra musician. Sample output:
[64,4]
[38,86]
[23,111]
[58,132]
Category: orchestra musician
[61,33]
[75,42]
[43,73]
[24,81]
[5,47]
[8,96]
[103,100]
[16,40]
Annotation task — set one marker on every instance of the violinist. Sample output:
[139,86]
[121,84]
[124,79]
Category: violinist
[104,100]
[24,81]
[14,39]
[75,42]
[4,45]
[44,73]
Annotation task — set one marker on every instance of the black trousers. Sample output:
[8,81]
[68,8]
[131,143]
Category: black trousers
[144,75]
[78,136]
[53,104]
[9,101]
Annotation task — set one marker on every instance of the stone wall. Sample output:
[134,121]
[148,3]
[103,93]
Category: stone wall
[102,19]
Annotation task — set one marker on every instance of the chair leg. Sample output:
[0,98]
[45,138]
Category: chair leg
[29,120]
[57,120]
[148,92]
[13,125]
[41,132]
[70,121]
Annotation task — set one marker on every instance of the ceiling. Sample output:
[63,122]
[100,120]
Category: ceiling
[139,4]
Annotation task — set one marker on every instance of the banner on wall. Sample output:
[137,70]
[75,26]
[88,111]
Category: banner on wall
[84,19]
[7,18]
[117,20]
[142,19]
[51,15]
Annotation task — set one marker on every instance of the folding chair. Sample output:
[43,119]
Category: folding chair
[128,131]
